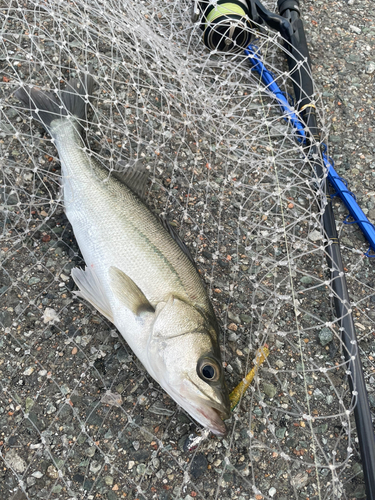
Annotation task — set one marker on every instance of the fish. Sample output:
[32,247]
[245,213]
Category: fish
[138,273]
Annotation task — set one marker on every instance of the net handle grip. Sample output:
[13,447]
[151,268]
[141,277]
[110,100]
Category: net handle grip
[298,57]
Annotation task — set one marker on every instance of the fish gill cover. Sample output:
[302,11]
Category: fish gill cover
[79,415]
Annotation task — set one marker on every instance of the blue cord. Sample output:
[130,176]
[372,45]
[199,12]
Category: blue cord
[339,184]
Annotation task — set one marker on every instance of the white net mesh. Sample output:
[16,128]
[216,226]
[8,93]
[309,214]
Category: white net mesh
[80,417]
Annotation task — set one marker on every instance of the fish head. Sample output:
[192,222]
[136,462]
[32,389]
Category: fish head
[184,357]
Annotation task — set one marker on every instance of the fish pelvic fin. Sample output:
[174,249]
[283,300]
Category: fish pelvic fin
[91,289]
[128,292]
[47,106]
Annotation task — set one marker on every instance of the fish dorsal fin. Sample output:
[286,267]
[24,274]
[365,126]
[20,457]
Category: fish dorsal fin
[173,232]
[128,292]
[92,290]
[135,177]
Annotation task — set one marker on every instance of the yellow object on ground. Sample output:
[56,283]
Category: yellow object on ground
[242,387]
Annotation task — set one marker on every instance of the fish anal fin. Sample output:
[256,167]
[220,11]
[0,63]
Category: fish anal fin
[128,292]
[92,290]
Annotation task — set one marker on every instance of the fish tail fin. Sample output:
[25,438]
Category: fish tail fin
[47,106]
[76,96]
[44,106]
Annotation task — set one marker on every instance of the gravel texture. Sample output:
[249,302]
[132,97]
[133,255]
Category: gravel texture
[79,415]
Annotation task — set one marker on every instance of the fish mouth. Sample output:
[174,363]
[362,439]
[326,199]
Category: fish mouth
[215,420]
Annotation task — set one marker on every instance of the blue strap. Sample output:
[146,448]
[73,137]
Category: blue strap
[339,184]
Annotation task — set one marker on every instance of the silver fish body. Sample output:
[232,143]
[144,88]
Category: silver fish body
[137,275]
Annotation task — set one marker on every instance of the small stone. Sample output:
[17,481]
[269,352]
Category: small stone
[28,404]
[315,235]
[33,281]
[321,429]
[245,318]
[233,327]
[159,409]
[269,389]
[279,363]
[51,408]
[306,280]
[272,491]
[112,398]
[198,466]
[325,336]
[52,472]
[299,480]
[131,464]
[141,469]
[95,466]
[90,452]
[280,433]
[318,393]
[5,319]
[355,29]
[232,337]
[13,460]
[234,317]
[37,474]
[50,316]
[28,371]
[360,491]
[108,480]
[370,67]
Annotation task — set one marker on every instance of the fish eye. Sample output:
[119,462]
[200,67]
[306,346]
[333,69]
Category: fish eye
[208,370]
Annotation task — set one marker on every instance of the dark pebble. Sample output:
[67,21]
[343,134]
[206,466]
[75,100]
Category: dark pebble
[5,319]
[88,484]
[47,334]
[95,419]
[122,355]
[223,263]
[78,478]
[198,466]
[70,285]
[229,477]
[100,366]
[141,455]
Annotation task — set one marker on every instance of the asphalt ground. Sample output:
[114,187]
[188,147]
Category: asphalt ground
[81,418]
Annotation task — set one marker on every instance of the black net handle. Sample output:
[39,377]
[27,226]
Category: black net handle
[300,68]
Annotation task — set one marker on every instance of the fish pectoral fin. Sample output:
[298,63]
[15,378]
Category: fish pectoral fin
[128,292]
[92,290]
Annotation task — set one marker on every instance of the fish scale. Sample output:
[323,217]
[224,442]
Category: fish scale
[138,240]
